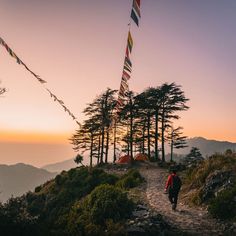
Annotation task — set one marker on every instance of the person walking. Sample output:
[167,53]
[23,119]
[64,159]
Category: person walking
[172,187]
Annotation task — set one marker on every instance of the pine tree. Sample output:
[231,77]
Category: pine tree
[172,100]
[176,140]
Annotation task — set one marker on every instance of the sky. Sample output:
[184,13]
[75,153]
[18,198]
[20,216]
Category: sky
[78,47]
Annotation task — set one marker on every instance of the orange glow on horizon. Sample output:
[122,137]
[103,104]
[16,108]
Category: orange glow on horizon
[34,137]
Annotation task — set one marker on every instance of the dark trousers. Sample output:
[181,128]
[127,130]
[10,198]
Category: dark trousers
[173,196]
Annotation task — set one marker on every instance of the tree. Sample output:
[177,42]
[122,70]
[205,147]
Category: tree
[79,159]
[145,119]
[127,117]
[172,100]
[94,134]
[195,153]
[193,158]
[176,140]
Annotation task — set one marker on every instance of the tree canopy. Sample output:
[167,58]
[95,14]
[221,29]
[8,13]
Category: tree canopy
[141,126]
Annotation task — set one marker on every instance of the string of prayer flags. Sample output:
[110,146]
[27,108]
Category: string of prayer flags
[3,43]
[127,68]
[135,12]
[20,62]
[62,104]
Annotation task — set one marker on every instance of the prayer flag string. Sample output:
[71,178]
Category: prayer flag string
[127,68]
[53,96]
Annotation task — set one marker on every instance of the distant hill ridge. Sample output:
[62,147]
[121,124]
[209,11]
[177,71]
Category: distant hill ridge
[59,166]
[19,178]
[206,146]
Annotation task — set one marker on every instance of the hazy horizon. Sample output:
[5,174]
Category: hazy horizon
[38,153]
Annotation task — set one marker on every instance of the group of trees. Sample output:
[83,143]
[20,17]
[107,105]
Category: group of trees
[144,124]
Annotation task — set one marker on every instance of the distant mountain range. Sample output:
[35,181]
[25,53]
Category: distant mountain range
[207,147]
[19,178]
[60,166]
[64,165]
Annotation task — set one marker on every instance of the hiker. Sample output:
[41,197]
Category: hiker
[173,185]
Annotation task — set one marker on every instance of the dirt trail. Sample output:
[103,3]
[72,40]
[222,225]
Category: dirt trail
[194,221]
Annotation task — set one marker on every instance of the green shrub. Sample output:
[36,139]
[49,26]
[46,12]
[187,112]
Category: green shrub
[38,189]
[93,229]
[130,180]
[224,205]
[107,202]
[114,229]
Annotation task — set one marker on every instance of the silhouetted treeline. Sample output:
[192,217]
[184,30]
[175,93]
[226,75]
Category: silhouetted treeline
[144,124]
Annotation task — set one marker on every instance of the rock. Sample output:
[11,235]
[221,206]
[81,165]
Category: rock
[139,214]
[145,222]
[142,207]
[215,183]
[135,230]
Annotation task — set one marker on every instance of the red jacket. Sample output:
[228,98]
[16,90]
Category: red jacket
[169,181]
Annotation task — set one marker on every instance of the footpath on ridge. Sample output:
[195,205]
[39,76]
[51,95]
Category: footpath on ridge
[194,221]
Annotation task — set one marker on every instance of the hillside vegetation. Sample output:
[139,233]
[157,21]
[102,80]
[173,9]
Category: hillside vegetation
[81,201]
[213,183]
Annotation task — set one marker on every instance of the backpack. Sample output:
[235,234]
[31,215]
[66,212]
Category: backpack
[176,183]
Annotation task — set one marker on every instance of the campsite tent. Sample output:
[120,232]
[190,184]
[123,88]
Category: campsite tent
[124,160]
[141,157]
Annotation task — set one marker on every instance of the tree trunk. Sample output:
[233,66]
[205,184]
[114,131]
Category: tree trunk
[163,136]
[128,149]
[143,138]
[91,151]
[131,132]
[107,145]
[102,144]
[171,149]
[114,144]
[99,148]
[149,138]
[156,136]
[128,143]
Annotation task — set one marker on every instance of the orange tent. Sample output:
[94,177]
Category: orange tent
[141,157]
[124,160]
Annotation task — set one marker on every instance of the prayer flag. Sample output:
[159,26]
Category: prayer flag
[125,75]
[127,68]
[136,7]
[134,17]
[130,42]
[128,62]
[138,2]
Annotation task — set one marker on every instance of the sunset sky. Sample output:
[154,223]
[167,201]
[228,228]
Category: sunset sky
[78,46]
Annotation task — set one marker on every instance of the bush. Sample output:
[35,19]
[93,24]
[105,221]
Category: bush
[107,202]
[115,229]
[38,189]
[130,180]
[224,205]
